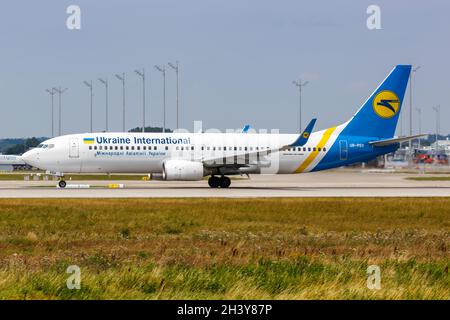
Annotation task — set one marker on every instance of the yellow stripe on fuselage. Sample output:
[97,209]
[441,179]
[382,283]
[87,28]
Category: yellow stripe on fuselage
[326,136]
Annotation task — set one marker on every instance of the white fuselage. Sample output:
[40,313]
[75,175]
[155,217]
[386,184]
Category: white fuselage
[147,152]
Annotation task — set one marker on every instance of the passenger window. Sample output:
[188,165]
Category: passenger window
[167,148]
[132,147]
[90,147]
[95,148]
[154,148]
[121,147]
[324,149]
[304,148]
[319,149]
[309,149]
[192,148]
[235,148]
[127,147]
[116,147]
[224,148]
[245,148]
[314,149]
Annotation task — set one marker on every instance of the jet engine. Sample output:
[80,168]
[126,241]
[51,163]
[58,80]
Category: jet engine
[180,170]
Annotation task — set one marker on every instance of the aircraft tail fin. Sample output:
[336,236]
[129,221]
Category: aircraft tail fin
[378,116]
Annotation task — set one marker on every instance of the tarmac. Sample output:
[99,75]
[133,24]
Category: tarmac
[337,183]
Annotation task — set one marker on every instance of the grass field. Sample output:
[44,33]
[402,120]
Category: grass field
[429,178]
[225,248]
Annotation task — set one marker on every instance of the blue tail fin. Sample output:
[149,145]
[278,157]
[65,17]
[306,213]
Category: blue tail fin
[378,116]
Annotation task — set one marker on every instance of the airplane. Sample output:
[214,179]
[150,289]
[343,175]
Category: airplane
[368,134]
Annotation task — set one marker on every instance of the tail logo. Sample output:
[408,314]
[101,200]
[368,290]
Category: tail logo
[306,135]
[386,104]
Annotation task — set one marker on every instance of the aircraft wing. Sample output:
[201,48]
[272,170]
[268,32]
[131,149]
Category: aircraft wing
[229,159]
[387,142]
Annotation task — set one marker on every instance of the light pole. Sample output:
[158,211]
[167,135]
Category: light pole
[176,67]
[437,109]
[122,78]
[162,69]
[411,107]
[90,86]
[60,92]
[300,84]
[105,82]
[419,112]
[142,75]
[52,92]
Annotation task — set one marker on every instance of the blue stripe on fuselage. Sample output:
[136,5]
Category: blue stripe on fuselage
[358,150]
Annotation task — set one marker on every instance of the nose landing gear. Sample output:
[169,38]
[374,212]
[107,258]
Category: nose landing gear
[216,182]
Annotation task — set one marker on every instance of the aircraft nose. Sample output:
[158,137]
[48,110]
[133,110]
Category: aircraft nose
[29,157]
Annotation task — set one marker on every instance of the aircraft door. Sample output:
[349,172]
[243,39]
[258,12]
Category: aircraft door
[343,149]
[74,149]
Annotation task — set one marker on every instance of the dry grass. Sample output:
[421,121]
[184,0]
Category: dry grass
[225,248]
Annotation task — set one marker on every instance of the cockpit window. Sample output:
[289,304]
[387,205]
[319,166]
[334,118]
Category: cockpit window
[45,146]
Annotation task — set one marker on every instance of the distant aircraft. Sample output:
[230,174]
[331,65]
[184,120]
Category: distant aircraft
[8,162]
[191,156]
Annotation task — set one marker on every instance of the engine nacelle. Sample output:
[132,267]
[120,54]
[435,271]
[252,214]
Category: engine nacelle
[182,170]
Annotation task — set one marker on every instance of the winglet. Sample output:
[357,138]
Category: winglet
[303,138]
[245,128]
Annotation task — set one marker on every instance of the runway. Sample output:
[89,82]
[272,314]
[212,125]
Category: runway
[337,183]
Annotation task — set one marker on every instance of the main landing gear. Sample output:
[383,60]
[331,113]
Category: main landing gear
[62,183]
[216,182]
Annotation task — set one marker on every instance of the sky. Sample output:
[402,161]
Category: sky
[237,61]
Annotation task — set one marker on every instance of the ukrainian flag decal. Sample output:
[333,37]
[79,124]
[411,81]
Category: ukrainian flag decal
[88,140]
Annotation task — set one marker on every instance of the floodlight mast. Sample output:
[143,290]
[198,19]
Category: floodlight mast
[90,86]
[300,84]
[52,92]
[105,82]
[142,75]
[122,79]
[60,91]
[162,69]
[411,107]
[176,67]
[419,111]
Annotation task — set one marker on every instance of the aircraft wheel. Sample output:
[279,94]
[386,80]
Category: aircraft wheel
[225,182]
[62,184]
[214,182]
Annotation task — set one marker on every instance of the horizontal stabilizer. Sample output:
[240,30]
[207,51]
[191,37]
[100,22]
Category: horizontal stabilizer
[387,142]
